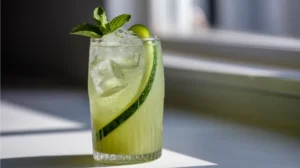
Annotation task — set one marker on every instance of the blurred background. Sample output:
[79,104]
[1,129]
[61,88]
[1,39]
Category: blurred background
[250,44]
[232,60]
[39,32]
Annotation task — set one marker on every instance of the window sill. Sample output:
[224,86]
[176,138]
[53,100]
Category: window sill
[267,97]
[235,47]
[261,78]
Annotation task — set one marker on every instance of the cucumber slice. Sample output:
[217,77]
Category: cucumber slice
[143,32]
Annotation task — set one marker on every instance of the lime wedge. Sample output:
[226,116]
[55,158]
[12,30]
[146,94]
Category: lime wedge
[140,30]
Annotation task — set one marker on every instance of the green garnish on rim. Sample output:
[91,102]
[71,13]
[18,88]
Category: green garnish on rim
[140,30]
[104,27]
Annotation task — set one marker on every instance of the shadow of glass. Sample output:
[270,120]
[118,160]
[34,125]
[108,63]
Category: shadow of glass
[68,104]
[58,162]
[35,132]
[52,161]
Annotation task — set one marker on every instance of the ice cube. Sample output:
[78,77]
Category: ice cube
[96,55]
[121,46]
[129,59]
[122,33]
[107,77]
[122,36]
[100,53]
[112,86]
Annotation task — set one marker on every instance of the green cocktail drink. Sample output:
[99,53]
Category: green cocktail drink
[126,94]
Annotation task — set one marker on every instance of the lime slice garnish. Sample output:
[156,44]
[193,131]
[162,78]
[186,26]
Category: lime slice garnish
[140,30]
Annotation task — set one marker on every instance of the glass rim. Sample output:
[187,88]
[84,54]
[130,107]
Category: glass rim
[153,38]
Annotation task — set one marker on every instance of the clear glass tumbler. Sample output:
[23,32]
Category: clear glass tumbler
[126,94]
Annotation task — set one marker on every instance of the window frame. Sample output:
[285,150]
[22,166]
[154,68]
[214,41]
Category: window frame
[225,45]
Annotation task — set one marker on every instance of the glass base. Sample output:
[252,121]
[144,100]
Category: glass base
[125,159]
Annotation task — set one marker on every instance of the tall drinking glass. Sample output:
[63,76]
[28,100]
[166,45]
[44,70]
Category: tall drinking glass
[126,94]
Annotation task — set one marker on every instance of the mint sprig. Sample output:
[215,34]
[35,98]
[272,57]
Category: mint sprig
[86,29]
[119,21]
[102,27]
[101,19]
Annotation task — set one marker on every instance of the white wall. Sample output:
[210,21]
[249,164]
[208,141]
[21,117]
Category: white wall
[137,8]
[276,17]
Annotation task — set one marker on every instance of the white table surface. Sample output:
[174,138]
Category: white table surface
[15,118]
[51,128]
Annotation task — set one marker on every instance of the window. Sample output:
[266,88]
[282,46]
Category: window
[269,17]
[263,32]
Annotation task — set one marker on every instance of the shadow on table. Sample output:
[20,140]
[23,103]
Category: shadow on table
[57,162]
[42,131]
[52,161]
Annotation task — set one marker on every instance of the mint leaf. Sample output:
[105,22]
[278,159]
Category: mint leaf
[103,26]
[86,29]
[101,19]
[119,21]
